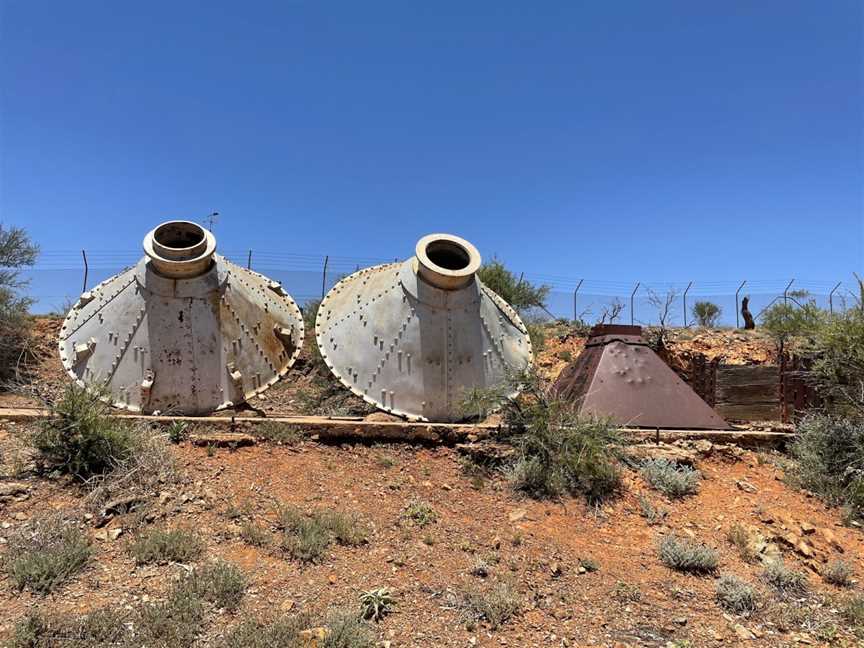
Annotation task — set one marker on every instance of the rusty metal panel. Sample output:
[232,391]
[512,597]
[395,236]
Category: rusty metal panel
[184,331]
[413,337]
[619,376]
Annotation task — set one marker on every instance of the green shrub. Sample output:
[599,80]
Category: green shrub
[176,621]
[838,572]
[669,478]
[80,438]
[178,431]
[706,313]
[220,583]
[559,451]
[419,513]
[495,604]
[684,556]
[280,433]
[166,545]
[376,603]
[17,251]
[654,514]
[516,291]
[853,611]
[791,322]
[255,534]
[838,366]
[45,553]
[735,595]
[784,580]
[307,537]
[830,460]
[45,629]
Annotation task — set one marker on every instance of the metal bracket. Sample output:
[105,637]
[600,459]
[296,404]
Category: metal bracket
[84,350]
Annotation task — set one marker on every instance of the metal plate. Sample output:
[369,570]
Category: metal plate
[413,349]
[184,346]
[622,378]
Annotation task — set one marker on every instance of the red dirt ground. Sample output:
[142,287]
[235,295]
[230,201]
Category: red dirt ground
[534,545]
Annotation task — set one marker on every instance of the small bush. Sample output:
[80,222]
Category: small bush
[495,605]
[559,451]
[178,431]
[419,513]
[783,580]
[17,251]
[737,535]
[838,572]
[516,291]
[706,313]
[830,460]
[163,545]
[307,537]
[255,534]
[176,621]
[734,595]
[279,433]
[853,610]
[220,583]
[104,627]
[376,603]
[45,553]
[685,556]
[669,478]
[80,438]
[654,514]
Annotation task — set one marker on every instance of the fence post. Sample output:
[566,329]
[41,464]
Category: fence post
[324,276]
[632,295]
[578,286]
[737,308]
[785,296]
[86,271]
[831,297]
[685,303]
[249,261]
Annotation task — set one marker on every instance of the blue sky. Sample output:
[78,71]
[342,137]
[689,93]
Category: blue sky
[661,141]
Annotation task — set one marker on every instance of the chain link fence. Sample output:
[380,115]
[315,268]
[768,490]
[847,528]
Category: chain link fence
[61,275]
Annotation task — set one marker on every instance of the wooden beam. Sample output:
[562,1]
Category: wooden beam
[324,427]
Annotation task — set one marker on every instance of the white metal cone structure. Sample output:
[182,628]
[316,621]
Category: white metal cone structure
[182,332]
[413,338]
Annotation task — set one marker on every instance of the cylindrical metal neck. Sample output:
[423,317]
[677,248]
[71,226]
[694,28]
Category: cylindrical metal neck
[446,261]
[180,249]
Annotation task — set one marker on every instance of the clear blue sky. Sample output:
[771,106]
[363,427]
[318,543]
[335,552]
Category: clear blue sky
[621,141]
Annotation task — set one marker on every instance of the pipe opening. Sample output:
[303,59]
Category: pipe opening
[179,235]
[448,255]
[180,249]
[446,261]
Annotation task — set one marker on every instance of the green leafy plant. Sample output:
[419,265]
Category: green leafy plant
[684,556]
[178,431]
[17,252]
[220,583]
[838,572]
[830,460]
[306,537]
[520,293]
[166,545]
[706,313]
[558,450]
[80,438]
[419,513]
[45,553]
[675,481]
[376,603]
[735,595]
[784,580]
